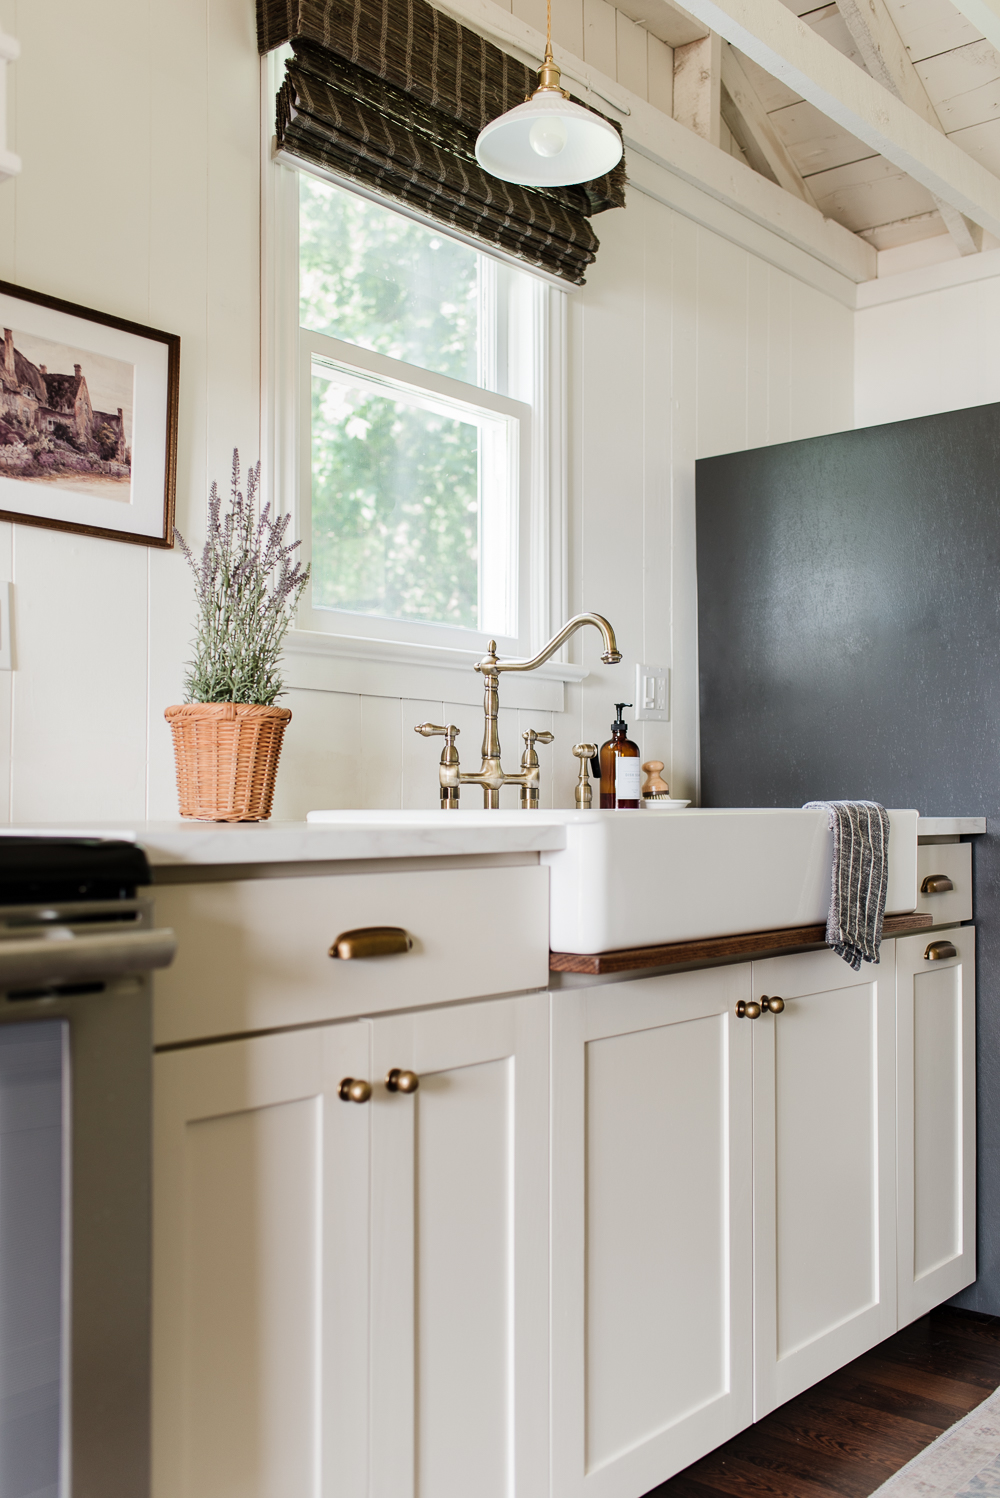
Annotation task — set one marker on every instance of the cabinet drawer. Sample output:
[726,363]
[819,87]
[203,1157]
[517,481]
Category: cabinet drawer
[254,954]
[954,861]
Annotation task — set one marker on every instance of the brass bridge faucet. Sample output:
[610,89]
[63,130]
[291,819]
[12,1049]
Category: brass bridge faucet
[490,774]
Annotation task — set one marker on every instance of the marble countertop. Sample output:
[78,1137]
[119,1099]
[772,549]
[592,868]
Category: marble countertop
[354,835]
[357,835]
[951,826]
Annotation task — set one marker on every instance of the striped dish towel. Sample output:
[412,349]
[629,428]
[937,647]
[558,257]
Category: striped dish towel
[860,877]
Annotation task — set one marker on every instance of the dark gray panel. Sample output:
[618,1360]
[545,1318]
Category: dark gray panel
[849,637]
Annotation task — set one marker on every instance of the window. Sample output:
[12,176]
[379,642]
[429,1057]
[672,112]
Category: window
[422,456]
[414,458]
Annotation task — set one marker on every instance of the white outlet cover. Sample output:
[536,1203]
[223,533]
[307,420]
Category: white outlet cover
[652,694]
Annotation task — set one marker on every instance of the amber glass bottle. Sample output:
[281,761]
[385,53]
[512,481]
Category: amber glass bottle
[621,775]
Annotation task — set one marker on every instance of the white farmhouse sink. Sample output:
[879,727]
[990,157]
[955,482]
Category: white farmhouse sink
[635,878]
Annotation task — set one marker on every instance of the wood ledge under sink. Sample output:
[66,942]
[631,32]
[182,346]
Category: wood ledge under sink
[712,949]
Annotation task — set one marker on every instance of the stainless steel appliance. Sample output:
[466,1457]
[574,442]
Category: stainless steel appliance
[77,946]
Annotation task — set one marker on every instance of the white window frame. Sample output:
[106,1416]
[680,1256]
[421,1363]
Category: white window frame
[337,651]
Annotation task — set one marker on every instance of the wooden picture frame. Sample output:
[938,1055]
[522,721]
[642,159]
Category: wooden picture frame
[93,451]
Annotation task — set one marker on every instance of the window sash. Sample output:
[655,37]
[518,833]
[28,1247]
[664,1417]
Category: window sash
[505,427]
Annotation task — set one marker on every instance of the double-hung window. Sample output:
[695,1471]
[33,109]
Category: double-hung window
[427,451]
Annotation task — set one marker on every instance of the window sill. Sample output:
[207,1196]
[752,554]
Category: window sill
[319,662]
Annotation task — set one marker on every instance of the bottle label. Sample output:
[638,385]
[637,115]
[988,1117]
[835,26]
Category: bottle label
[628,778]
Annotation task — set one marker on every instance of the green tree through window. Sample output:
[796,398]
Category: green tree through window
[395,487]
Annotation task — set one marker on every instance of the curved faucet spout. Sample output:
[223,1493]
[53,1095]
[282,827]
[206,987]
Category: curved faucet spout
[611,656]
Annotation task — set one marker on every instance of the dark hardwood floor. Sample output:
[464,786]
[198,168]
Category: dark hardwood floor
[844,1437]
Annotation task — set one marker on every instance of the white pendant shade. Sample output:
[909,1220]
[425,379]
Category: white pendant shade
[548,142]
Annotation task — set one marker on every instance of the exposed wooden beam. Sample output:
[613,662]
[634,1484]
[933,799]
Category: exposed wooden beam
[887,60]
[678,168]
[984,15]
[755,135]
[783,44]
[697,83]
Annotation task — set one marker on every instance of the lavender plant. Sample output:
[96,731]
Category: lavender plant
[247,588]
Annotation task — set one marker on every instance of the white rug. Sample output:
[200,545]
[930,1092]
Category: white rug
[962,1463]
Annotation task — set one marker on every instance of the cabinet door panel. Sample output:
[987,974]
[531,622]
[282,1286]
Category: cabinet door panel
[260,1269]
[824,1252]
[459,1182]
[936,1121]
[651,1228]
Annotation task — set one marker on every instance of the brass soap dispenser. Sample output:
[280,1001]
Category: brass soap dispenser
[621,777]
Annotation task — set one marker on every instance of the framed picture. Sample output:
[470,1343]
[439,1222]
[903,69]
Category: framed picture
[88,420]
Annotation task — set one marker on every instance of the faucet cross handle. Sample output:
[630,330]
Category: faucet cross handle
[449,769]
[433,730]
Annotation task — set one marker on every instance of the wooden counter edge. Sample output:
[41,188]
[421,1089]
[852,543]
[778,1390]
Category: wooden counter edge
[631,959]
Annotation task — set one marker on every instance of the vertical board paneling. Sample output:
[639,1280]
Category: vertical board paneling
[779,334]
[631,51]
[380,752]
[610,478]
[600,46]
[655,738]
[722,346]
[684,355]
[79,740]
[326,769]
[758,351]
[567,25]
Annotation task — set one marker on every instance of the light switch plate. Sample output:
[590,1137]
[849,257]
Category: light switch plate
[6,610]
[652,694]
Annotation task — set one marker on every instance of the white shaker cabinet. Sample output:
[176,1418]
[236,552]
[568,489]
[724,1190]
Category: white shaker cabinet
[459,1289]
[260,1267]
[651,1228]
[824,1168]
[936,1117]
[351,1298]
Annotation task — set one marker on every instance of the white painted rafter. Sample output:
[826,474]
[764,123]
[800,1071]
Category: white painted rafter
[777,40]
[755,135]
[887,60]
[984,15]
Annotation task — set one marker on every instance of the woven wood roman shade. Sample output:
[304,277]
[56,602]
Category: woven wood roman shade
[393,93]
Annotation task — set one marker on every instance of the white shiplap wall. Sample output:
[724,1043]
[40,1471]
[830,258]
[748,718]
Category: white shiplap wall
[139,128]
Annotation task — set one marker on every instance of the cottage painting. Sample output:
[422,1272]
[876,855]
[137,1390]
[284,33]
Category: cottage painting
[65,417]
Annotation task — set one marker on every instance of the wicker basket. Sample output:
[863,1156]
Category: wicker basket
[227,758]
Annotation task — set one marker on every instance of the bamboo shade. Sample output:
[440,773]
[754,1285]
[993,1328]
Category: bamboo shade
[393,93]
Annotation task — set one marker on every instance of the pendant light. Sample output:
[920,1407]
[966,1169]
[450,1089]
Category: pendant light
[548,141]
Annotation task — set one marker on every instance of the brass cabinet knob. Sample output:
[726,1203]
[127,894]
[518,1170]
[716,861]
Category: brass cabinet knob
[748,1010]
[775,1004]
[401,1081]
[936,884]
[371,941]
[354,1090]
[939,950]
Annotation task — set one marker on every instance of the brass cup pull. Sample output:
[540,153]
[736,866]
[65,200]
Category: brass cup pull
[401,1081]
[354,1090]
[748,1010]
[371,941]
[939,950]
[775,1004]
[936,884]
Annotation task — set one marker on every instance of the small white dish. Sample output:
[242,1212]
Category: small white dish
[667,804]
